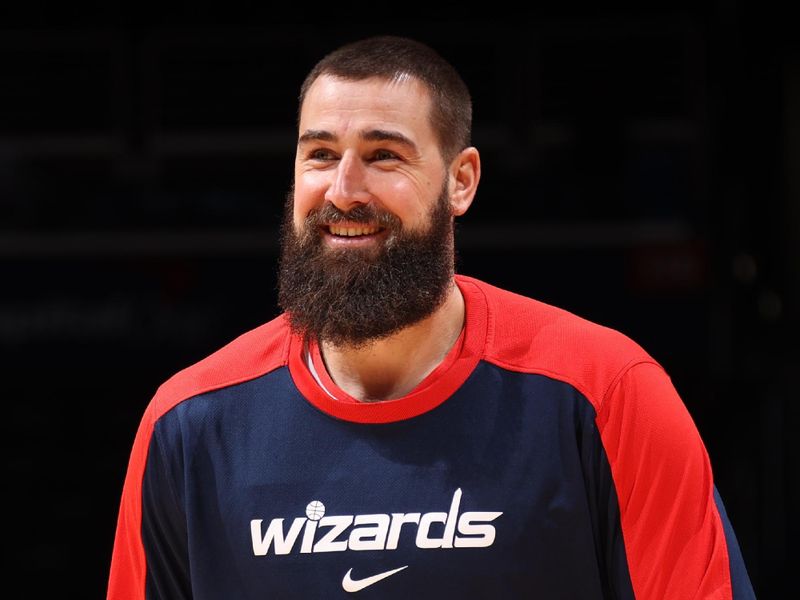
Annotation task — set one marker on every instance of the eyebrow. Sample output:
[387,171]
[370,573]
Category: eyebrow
[371,135]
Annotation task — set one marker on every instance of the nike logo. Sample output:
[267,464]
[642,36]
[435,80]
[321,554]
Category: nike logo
[356,585]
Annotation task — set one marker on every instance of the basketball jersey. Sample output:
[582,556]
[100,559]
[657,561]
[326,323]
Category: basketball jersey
[545,457]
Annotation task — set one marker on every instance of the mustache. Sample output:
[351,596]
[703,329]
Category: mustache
[329,214]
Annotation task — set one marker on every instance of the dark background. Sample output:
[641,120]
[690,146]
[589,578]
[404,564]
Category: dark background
[640,169]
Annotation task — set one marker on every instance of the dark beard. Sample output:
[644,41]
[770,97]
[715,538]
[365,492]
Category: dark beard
[350,297]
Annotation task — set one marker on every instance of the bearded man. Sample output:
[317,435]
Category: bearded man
[401,431]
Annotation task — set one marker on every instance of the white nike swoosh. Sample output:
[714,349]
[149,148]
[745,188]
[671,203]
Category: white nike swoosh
[356,585]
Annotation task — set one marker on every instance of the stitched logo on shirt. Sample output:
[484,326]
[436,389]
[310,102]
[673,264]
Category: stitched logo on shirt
[337,533]
[356,585]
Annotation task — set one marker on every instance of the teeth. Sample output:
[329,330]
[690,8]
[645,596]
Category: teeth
[352,231]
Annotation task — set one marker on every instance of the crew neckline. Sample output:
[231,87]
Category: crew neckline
[319,370]
[432,391]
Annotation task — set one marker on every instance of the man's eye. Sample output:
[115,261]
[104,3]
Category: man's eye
[384,155]
[320,154]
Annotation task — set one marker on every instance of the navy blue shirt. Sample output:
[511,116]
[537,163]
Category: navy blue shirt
[547,457]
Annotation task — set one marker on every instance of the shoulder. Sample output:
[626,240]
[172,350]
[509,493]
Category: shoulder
[250,355]
[530,336]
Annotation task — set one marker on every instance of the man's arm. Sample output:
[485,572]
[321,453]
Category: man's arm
[678,541]
[150,558]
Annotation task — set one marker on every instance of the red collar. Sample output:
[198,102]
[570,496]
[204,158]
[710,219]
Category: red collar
[432,391]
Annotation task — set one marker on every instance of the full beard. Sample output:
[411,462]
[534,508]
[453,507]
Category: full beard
[350,297]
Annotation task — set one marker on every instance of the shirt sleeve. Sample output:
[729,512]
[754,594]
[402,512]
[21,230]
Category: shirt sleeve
[150,557]
[678,541]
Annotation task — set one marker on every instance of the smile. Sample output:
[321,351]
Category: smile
[352,231]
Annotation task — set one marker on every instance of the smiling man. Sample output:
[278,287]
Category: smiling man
[367,267]
[403,431]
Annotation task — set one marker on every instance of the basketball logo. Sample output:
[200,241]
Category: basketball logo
[315,510]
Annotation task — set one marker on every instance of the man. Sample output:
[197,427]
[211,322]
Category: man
[401,431]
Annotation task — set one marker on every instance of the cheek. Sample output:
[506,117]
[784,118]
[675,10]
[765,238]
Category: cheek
[403,195]
[297,221]
[300,209]
[309,193]
[411,201]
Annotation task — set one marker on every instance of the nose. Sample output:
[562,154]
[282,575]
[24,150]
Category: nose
[349,185]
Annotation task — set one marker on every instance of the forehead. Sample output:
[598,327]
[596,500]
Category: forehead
[344,106]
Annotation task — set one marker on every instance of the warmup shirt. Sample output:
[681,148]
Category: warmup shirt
[546,457]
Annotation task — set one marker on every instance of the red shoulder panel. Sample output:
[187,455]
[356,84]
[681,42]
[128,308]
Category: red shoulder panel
[673,534]
[252,354]
[529,336]
[674,537]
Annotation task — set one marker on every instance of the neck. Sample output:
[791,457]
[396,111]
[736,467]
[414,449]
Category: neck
[391,367]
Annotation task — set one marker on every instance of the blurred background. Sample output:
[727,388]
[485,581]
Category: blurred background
[640,169]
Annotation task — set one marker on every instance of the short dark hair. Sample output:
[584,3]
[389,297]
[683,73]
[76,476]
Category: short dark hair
[388,57]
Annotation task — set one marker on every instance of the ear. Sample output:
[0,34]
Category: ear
[464,174]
